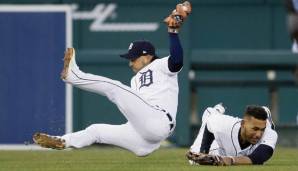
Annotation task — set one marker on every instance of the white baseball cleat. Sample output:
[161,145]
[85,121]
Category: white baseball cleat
[69,56]
[47,141]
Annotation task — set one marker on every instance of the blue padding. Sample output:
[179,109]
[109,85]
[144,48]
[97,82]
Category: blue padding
[32,97]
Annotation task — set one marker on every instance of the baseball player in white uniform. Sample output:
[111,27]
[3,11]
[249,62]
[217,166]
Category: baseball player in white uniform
[227,140]
[149,105]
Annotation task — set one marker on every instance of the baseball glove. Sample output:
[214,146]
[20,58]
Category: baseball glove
[176,18]
[205,159]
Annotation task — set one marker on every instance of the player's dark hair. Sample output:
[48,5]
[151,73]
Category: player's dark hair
[255,111]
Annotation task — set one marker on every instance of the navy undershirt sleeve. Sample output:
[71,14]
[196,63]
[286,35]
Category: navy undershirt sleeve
[261,154]
[175,61]
[207,140]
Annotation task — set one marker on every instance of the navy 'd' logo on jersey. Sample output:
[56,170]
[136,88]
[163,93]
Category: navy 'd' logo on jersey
[146,78]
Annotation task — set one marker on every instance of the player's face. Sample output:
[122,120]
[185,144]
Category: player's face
[139,63]
[253,129]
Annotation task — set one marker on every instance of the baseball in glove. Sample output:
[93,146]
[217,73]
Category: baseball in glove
[208,159]
[176,18]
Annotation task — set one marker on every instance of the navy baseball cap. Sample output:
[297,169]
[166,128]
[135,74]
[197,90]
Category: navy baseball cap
[139,48]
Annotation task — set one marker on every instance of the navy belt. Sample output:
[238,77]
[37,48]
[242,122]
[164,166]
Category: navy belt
[171,120]
[168,115]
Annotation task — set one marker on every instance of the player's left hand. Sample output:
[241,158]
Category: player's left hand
[208,159]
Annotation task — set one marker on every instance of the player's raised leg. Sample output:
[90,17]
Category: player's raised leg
[69,54]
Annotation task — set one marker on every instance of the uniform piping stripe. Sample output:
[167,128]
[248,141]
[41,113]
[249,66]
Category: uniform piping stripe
[119,87]
[232,137]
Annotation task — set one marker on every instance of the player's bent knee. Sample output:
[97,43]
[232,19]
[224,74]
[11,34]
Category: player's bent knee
[90,127]
[207,113]
[92,131]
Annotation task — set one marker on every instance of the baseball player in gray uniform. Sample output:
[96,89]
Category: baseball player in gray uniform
[227,140]
[149,104]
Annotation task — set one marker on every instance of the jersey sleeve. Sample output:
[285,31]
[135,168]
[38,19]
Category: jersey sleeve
[175,61]
[261,154]
[207,140]
[266,148]
[163,66]
[269,138]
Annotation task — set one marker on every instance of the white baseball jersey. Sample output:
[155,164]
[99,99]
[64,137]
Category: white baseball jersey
[225,130]
[158,85]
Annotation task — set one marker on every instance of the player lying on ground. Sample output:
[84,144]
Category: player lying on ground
[149,105]
[225,140]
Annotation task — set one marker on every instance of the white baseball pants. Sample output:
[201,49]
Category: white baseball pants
[146,127]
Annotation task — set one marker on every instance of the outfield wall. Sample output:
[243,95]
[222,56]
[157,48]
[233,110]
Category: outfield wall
[33,98]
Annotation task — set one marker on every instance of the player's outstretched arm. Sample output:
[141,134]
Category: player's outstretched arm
[216,160]
[260,155]
[240,160]
[175,61]
[174,22]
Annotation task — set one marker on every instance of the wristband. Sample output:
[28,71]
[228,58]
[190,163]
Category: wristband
[173,30]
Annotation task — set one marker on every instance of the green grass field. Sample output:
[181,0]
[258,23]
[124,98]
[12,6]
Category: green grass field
[97,158]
